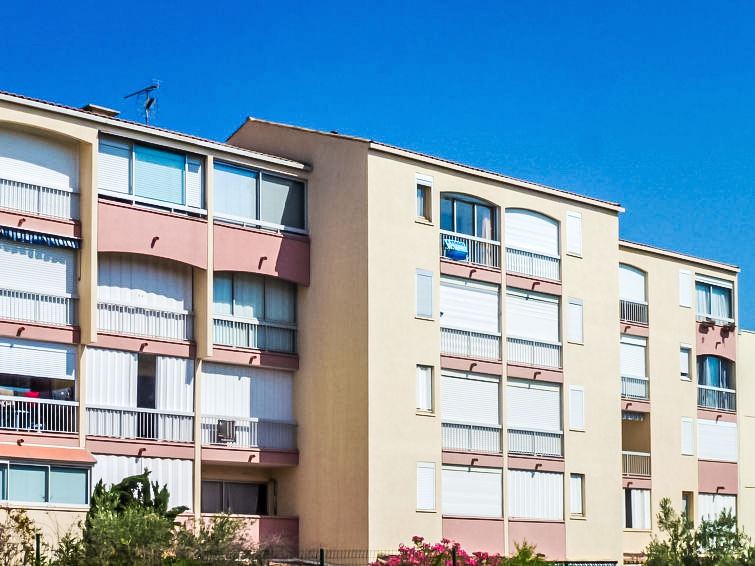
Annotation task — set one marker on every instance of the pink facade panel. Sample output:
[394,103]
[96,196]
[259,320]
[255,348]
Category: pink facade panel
[454,458]
[536,463]
[716,415]
[46,439]
[549,537]
[476,534]
[636,482]
[468,364]
[717,477]
[157,346]
[252,457]
[25,221]
[36,331]
[280,532]
[129,229]
[256,358]
[140,448]
[537,374]
[716,341]
[474,272]
[635,405]
[634,329]
[533,284]
[261,251]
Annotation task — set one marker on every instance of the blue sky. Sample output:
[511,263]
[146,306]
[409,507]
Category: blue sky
[650,104]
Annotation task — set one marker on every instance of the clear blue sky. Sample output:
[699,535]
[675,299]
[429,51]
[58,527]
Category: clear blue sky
[650,104]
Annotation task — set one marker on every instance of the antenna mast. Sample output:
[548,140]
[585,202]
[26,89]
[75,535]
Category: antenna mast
[147,99]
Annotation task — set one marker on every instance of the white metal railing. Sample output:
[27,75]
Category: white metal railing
[719,320]
[635,463]
[633,387]
[470,437]
[533,352]
[263,335]
[133,422]
[470,344]
[37,307]
[537,442]
[144,321]
[39,415]
[45,201]
[631,311]
[481,251]
[251,433]
[716,397]
[533,264]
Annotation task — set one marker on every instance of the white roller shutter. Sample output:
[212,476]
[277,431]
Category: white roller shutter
[574,233]
[111,378]
[272,395]
[468,305]
[532,315]
[716,440]
[536,495]
[576,506]
[472,492]
[633,356]
[193,182]
[685,288]
[39,269]
[530,231]
[575,330]
[425,486]
[114,166]
[39,160]
[576,407]
[175,384]
[469,400]
[424,291]
[631,284]
[711,505]
[533,406]
[688,437]
[37,359]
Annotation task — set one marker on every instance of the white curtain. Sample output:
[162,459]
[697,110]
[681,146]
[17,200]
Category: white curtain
[248,296]
[280,301]
[222,294]
[640,503]
[702,298]
[712,505]
[720,303]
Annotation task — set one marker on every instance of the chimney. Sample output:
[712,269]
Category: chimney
[100,110]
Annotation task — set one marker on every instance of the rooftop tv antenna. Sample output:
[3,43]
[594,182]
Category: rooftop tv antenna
[147,100]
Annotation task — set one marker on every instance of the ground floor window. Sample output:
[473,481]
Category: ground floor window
[27,483]
[637,509]
[234,497]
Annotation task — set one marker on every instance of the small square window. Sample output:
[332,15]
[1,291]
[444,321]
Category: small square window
[424,197]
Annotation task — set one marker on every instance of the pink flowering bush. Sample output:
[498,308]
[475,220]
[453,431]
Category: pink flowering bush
[441,554]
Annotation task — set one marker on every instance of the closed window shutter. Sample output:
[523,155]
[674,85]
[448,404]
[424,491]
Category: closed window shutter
[711,505]
[159,175]
[111,382]
[631,284]
[194,183]
[688,437]
[716,440]
[222,294]
[37,359]
[530,231]
[469,401]
[575,496]
[574,233]
[472,492]
[575,321]
[533,406]
[576,407]
[425,486]
[536,495]
[685,288]
[234,192]
[174,387]
[424,388]
[39,269]
[467,305]
[424,293]
[114,167]
[633,356]
[282,201]
[533,316]
[38,160]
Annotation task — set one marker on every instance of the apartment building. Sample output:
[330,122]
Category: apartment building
[350,343]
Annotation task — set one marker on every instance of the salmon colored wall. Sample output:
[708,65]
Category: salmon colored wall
[474,272]
[34,331]
[475,534]
[716,341]
[142,448]
[26,221]
[717,477]
[256,358]
[228,455]
[549,537]
[151,345]
[533,284]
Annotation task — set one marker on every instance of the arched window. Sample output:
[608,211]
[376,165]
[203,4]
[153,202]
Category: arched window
[532,244]
[467,215]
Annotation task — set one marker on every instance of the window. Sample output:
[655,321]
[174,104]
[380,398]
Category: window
[35,369]
[576,407]
[577,495]
[532,315]
[687,505]
[533,417]
[424,291]
[240,498]
[685,288]
[574,233]
[146,381]
[469,305]
[424,197]
[424,388]
[713,371]
[637,509]
[633,356]
[470,402]
[688,437]
[575,327]
[425,486]
[150,173]
[536,495]
[685,359]
[716,440]
[711,505]
[468,216]
[261,199]
[713,299]
[530,231]
[44,484]
[472,492]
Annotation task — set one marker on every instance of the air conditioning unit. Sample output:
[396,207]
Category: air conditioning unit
[225,431]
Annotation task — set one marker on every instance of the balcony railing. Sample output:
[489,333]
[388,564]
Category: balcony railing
[533,264]
[480,250]
[249,433]
[533,352]
[272,336]
[37,307]
[472,438]
[631,311]
[716,398]
[535,442]
[634,387]
[470,344]
[635,463]
[144,321]
[719,320]
[38,415]
[132,422]
[45,201]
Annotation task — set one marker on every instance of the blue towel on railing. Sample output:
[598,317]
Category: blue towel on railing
[455,249]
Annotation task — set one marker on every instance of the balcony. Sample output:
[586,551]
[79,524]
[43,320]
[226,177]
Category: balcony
[37,307]
[144,321]
[634,312]
[635,463]
[35,199]
[634,387]
[470,344]
[471,438]
[260,335]
[38,415]
[716,398]
[533,264]
[147,424]
[533,352]
[246,432]
[479,250]
[535,442]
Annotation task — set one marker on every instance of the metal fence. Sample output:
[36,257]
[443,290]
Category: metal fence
[144,321]
[535,442]
[275,337]
[38,415]
[533,352]
[470,344]
[633,387]
[631,311]
[635,463]
[481,251]
[533,264]
[716,398]
[37,307]
[250,433]
[474,438]
[132,422]
[36,199]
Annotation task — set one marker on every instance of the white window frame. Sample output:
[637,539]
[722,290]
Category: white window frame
[7,464]
[572,424]
[690,365]
[430,391]
[712,282]
[426,182]
[582,508]
[430,466]
[569,338]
